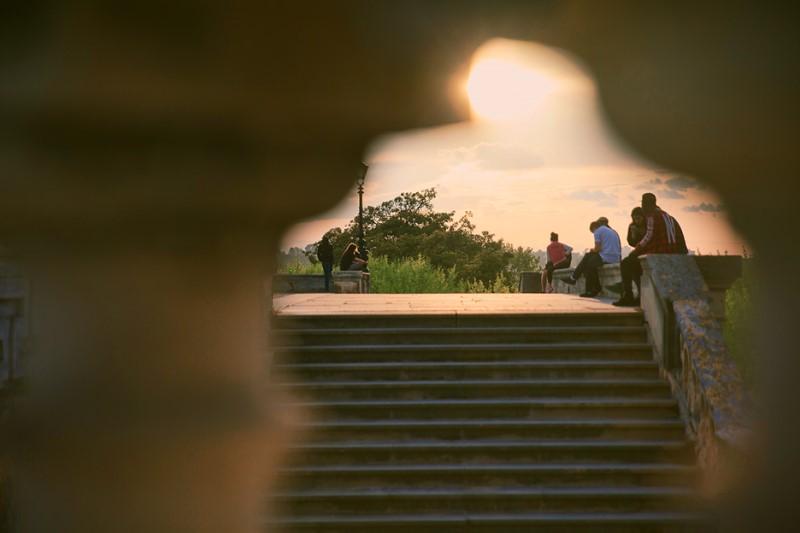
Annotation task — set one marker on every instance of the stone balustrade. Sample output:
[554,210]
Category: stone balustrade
[349,282]
[689,345]
[683,299]
[298,283]
[610,279]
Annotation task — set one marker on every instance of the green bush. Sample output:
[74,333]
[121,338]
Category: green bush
[299,268]
[410,276]
[740,315]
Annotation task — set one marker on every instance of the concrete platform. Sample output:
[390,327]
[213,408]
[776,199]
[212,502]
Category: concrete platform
[427,304]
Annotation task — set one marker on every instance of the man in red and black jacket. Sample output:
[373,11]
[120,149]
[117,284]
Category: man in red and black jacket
[663,236]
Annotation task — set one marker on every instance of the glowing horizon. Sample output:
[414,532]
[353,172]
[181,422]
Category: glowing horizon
[537,157]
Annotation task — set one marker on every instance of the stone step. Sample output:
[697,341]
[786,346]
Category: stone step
[488,499]
[493,451]
[497,522]
[499,409]
[484,388]
[621,474]
[481,422]
[475,335]
[449,370]
[464,352]
[631,317]
[494,429]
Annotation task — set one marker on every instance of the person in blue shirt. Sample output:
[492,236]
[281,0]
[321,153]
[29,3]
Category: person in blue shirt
[607,249]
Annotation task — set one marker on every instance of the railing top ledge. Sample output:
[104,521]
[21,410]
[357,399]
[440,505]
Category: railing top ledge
[679,277]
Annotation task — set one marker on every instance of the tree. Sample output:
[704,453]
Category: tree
[408,227]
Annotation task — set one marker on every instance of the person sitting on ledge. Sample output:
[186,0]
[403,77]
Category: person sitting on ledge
[559,256]
[663,236]
[636,231]
[350,261]
[607,249]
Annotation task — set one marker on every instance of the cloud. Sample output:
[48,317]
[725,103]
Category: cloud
[708,208]
[668,193]
[650,184]
[493,156]
[682,183]
[598,197]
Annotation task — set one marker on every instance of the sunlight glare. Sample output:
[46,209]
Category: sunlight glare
[501,89]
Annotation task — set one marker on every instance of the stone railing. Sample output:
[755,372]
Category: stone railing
[688,344]
[298,283]
[610,279]
[349,282]
[683,299]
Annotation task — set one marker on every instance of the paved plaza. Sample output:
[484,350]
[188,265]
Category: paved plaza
[405,304]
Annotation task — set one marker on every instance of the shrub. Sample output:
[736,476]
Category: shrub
[739,328]
[410,276]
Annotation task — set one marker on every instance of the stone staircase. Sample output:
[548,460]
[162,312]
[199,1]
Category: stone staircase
[477,422]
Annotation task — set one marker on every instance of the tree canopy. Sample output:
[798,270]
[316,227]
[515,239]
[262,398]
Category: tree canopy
[409,227]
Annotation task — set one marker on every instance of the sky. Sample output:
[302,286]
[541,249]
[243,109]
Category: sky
[537,156]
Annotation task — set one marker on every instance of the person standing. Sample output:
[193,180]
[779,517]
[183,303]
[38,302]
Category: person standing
[325,256]
[559,256]
[663,235]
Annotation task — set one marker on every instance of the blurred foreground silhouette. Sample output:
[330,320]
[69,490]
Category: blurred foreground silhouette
[152,153]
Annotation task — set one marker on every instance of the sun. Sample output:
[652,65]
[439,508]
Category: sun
[502,89]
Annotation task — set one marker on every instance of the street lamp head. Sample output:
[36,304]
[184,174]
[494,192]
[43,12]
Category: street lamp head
[362,173]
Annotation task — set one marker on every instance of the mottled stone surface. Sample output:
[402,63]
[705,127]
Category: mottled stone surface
[705,381]
[677,277]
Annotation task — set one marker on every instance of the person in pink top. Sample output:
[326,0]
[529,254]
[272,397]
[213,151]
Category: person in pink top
[559,255]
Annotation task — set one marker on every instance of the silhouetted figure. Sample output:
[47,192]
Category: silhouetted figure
[636,231]
[607,249]
[350,259]
[559,256]
[325,256]
[663,235]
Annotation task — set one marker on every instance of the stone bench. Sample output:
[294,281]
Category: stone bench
[610,279]
[350,282]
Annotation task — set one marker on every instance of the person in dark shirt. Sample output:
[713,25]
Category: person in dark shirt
[663,235]
[325,256]
[349,259]
[629,267]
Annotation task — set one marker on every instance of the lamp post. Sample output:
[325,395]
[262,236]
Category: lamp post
[362,175]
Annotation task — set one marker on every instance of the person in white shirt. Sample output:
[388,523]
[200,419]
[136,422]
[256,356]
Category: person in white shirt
[607,249]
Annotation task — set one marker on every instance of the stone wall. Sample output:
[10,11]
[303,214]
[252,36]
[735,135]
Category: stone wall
[689,345]
[298,283]
[351,282]
[610,279]
[341,282]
